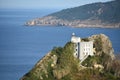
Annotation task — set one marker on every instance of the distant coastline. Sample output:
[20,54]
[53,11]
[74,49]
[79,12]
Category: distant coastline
[99,15]
[46,21]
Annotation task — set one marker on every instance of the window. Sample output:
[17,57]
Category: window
[84,49]
[76,45]
[88,49]
[76,54]
[86,53]
[76,49]
[83,53]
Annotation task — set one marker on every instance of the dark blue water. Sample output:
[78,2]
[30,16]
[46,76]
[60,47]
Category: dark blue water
[21,47]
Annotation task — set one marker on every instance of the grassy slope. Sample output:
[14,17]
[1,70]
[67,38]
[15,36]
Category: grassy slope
[106,12]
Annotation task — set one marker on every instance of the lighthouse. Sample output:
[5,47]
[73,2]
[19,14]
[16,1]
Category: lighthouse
[82,49]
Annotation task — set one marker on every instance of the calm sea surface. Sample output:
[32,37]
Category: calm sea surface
[21,47]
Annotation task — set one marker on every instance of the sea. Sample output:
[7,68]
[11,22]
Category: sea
[22,46]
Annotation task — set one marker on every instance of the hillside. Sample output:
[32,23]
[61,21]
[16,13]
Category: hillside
[99,11]
[60,64]
[105,15]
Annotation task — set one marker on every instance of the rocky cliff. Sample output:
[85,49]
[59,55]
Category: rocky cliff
[102,44]
[60,64]
[104,15]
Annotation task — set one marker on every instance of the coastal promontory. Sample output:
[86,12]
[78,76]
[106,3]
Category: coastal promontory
[102,15]
[61,64]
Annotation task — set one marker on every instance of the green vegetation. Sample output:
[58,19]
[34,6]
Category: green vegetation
[91,60]
[30,76]
[111,68]
[99,11]
[67,67]
[98,44]
[65,56]
[66,64]
[85,39]
[66,61]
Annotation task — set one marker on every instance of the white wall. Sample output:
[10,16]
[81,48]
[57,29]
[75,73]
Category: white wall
[86,48]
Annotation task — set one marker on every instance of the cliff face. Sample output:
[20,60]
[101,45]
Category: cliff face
[102,44]
[105,15]
[60,64]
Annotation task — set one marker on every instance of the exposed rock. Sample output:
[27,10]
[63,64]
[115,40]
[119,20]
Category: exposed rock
[103,44]
[98,66]
[58,74]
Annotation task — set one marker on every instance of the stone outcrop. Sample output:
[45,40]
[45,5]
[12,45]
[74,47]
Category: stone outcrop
[58,74]
[103,45]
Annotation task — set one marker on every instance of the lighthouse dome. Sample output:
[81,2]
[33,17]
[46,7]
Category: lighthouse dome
[75,39]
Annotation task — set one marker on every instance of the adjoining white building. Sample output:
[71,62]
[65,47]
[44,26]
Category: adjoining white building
[82,49]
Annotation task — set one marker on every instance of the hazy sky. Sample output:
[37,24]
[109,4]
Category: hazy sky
[45,3]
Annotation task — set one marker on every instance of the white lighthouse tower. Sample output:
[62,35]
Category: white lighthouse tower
[81,49]
[76,41]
